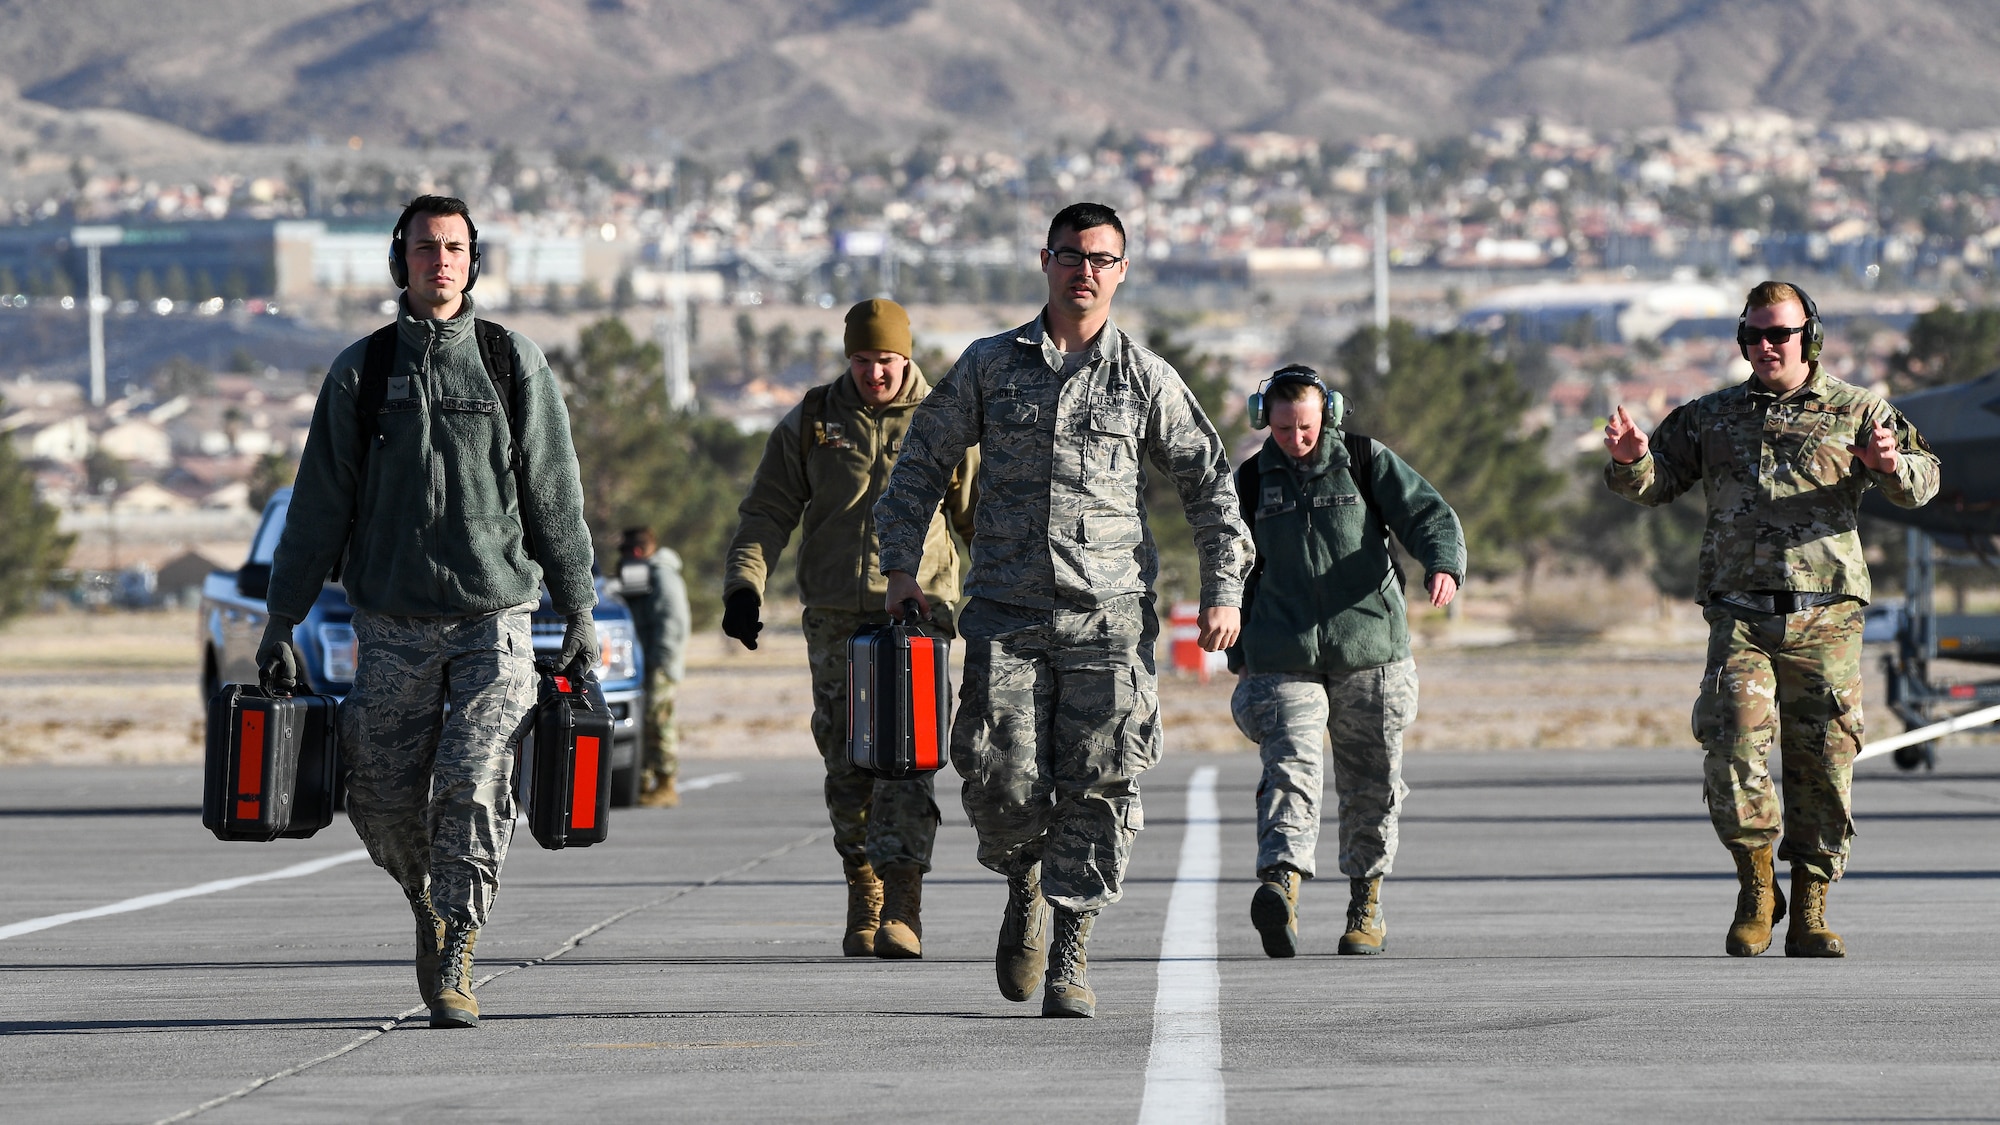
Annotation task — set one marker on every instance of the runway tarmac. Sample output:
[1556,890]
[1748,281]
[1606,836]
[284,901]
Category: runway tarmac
[1555,952]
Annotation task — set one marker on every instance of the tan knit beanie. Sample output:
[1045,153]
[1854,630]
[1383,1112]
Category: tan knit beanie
[878,326]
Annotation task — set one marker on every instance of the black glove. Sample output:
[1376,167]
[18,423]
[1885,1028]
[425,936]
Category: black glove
[579,655]
[280,666]
[740,618]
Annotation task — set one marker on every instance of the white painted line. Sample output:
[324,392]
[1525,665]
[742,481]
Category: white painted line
[574,940]
[709,782]
[159,898]
[1184,1072]
[1952,725]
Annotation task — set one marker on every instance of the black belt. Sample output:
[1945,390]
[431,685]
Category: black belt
[1775,601]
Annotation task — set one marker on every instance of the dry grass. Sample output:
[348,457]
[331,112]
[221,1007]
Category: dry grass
[93,689]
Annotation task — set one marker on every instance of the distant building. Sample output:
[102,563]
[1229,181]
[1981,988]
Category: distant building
[1594,313]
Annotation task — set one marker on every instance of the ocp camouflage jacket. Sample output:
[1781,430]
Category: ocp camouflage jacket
[1062,518]
[1783,490]
[825,483]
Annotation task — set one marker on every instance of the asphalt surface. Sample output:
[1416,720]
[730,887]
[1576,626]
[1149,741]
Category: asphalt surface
[1555,949]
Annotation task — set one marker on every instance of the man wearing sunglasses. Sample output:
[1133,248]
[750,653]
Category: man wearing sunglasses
[1058,714]
[1783,459]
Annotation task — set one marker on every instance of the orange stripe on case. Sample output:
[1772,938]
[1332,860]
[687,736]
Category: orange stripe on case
[250,765]
[923,703]
[583,806]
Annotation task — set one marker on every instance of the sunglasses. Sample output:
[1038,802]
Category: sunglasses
[1747,336]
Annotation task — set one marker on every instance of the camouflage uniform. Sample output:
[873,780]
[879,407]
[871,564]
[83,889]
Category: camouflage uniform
[659,604]
[431,791]
[823,468]
[1366,712]
[881,821]
[1783,498]
[1059,714]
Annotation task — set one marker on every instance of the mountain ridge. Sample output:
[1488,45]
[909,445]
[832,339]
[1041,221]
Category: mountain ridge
[723,75]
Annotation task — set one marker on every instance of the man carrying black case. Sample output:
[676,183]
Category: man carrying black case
[439,475]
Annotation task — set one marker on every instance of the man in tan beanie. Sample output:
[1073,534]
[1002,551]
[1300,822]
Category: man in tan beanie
[823,469]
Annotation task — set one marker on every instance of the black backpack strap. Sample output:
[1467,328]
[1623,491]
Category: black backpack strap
[1361,467]
[371,390]
[496,354]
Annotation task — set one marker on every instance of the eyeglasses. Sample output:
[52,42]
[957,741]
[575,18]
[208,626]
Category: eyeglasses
[1747,336]
[1072,258]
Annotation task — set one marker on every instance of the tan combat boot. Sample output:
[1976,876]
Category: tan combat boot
[453,1005]
[1274,910]
[1066,989]
[864,908]
[1367,930]
[1023,952]
[901,935]
[1808,935]
[660,792]
[1759,904]
[430,945]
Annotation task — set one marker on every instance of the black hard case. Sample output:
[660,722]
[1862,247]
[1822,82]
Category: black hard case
[272,764]
[898,701]
[565,763]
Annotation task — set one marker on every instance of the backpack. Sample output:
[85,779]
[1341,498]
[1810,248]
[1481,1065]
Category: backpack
[496,354]
[1360,467]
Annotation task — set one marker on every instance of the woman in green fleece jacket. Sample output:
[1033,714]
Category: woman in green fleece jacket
[1326,646]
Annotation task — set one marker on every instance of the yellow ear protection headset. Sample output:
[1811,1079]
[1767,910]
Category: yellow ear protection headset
[399,267]
[1336,405]
[1815,331]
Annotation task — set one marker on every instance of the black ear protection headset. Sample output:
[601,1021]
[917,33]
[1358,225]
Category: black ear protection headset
[399,267]
[1815,333]
[1336,405]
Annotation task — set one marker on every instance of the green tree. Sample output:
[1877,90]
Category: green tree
[272,472]
[681,474]
[103,469]
[31,549]
[183,376]
[1454,412]
[746,344]
[1618,535]
[1947,346]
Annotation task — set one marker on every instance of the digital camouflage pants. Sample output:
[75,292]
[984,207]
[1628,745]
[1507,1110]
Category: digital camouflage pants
[431,792]
[1365,712]
[1058,717]
[884,822]
[1793,682]
[659,754]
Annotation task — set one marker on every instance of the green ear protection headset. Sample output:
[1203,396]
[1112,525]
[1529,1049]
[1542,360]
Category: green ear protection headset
[1815,329]
[1336,404]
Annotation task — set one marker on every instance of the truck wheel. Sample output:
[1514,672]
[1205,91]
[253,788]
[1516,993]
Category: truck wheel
[1910,757]
[625,787]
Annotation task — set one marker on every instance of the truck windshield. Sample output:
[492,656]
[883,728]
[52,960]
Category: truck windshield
[266,547]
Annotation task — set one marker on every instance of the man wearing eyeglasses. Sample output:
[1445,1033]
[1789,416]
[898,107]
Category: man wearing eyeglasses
[1783,459]
[1058,715]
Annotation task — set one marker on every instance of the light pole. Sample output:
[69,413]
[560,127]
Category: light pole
[93,239]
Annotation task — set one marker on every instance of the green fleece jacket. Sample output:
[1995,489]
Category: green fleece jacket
[1324,598]
[437,520]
